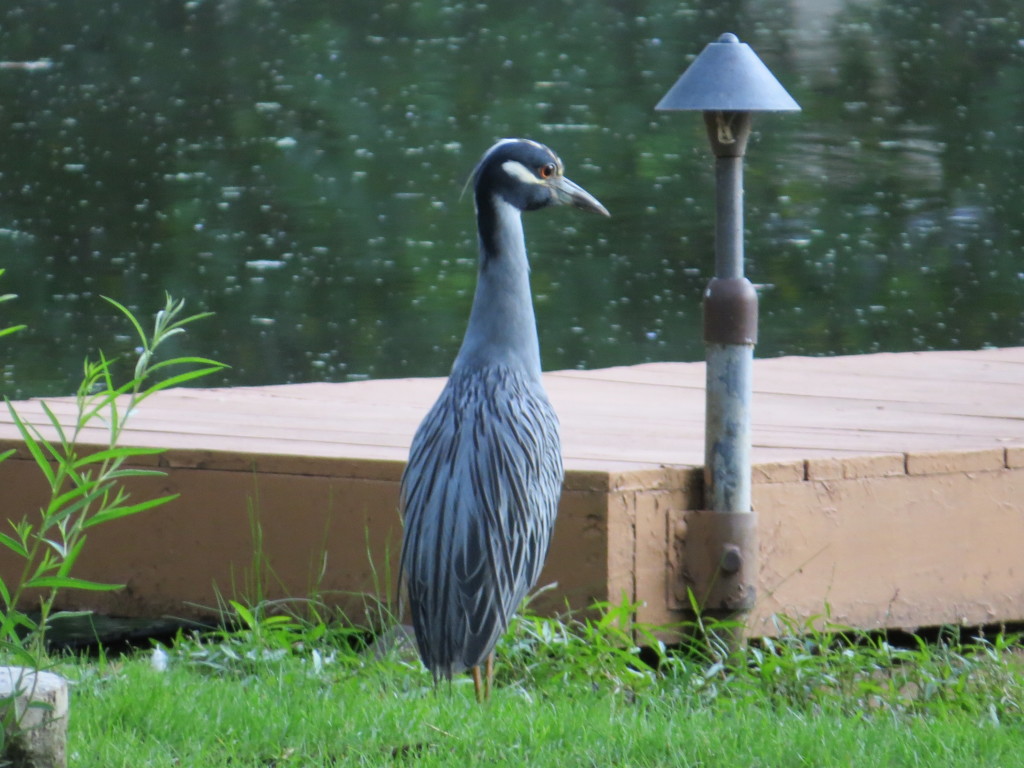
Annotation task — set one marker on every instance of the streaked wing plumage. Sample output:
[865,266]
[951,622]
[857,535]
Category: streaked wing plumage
[479,498]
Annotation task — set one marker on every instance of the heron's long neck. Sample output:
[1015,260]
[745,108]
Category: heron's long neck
[502,328]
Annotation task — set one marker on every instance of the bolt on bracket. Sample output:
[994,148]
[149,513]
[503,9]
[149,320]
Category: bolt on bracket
[720,561]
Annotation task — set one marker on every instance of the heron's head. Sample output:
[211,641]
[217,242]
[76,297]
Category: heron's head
[528,176]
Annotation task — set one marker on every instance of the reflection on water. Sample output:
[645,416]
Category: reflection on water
[296,167]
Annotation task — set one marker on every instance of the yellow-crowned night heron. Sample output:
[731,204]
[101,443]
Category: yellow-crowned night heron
[481,489]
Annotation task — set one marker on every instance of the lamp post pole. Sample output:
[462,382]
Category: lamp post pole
[730,326]
[727,82]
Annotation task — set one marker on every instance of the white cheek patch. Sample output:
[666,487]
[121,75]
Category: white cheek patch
[517,170]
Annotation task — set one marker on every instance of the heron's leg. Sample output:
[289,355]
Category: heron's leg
[478,684]
[489,668]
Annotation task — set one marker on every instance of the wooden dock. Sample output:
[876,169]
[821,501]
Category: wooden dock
[889,489]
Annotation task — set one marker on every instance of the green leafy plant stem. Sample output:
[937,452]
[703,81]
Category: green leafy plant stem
[86,485]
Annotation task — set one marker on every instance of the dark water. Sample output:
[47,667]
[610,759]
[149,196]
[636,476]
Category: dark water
[296,167]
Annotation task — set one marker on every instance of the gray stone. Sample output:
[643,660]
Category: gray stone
[34,711]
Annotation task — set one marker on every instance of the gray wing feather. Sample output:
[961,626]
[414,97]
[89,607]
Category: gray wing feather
[479,498]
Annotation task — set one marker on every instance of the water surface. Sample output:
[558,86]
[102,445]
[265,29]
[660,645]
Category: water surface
[296,168]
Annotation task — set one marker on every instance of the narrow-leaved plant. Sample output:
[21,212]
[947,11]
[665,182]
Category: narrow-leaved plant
[85,483]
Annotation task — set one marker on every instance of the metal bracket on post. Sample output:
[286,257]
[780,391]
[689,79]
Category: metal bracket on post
[720,561]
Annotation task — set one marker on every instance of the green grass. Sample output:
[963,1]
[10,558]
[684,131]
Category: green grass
[569,694]
[139,717]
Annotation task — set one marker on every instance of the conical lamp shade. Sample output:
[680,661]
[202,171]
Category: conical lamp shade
[728,76]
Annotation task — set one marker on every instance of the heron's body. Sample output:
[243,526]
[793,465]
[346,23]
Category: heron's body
[481,489]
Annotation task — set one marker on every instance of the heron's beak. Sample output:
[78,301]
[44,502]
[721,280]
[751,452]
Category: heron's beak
[566,192]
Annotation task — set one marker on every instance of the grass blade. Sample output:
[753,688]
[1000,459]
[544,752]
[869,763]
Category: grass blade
[106,515]
[13,544]
[32,444]
[69,582]
[108,454]
[181,378]
[186,361]
[131,318]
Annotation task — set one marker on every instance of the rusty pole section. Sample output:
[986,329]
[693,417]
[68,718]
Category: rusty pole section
[730,326]
[727,82]
[722,542]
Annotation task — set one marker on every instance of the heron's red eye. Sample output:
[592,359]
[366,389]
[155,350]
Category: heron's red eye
[547,171]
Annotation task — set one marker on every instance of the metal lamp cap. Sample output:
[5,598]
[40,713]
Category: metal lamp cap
[728,76]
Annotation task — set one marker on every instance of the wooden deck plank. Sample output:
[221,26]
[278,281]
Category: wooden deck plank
[644,415]
[859,388]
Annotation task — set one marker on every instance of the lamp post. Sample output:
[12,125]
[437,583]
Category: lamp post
[727,82]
